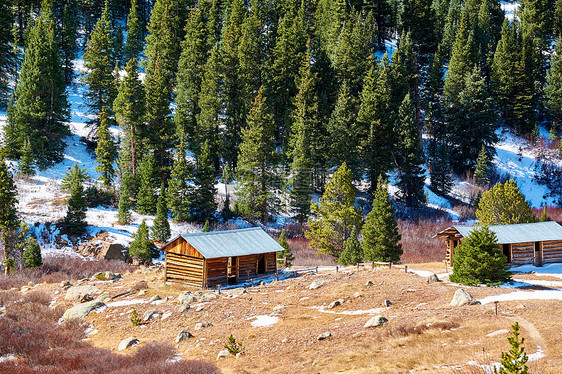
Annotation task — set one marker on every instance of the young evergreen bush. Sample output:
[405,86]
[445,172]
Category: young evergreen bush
[352,253]
[503,205]
[142,248]
[75,219]
[479,260]
[160,230]
[515,360]
[286,253]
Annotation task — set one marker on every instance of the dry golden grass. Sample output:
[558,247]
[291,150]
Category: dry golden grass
[424,334]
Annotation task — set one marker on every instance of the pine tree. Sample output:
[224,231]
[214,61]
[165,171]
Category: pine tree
[483,172]
[75,219]
[146,201]
[41,108]
[515,360]
[29,248]
[418,16]
[99,62]
[256,173]
[380,231]
[226,179]
[133,46]
[129,113]
[141,247]
[9,220]
[503,205]
[179,193]
[544,217]
[411,178]
[160,230]
[25,166]
[204,205]
[105,152]
[206,227]
[286,252]
[68,35]
[124,209]
[478,259]
[553,88]
[7,55]
[334,215]
[352,253]
[441,180]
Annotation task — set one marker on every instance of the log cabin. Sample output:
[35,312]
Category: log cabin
[208,259]
[525,243]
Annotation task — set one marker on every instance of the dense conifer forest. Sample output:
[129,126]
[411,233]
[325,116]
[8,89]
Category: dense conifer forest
[276,95]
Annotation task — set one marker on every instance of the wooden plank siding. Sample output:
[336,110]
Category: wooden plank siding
[184,269]
[552,251]
[182,247]
[522,253]
[216,271]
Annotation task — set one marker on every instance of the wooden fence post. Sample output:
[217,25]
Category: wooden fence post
[219,288]
[390,265]
[337,268]
[276,277]
[372,265]
[357,266]
[406,268]
[316,270]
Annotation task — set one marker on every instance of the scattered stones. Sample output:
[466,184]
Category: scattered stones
[198,293]
[462,297]
[186,298]
[86,297]
[77,292]
[208,297]
[375,321]
[199,309]
[238,291]
[317,284]
[222,354]
[369,283]
[154,298]
[324,336]
[433,278]
[183,335]
[335,303]
[65,284]
[126,343]
[106,276]
[142,292]
[357,295]
[261,283]
[202,325]
[183,307]
[151,314]
[387,303]
[81,311]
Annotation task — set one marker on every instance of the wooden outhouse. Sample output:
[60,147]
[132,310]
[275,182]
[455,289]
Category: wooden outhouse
[208,259]
[525,243]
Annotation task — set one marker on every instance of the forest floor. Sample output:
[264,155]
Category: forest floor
[424,334]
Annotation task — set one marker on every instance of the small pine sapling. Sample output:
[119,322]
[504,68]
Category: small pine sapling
[544,217]
[206,227]
[26,160]
[233,347]
[352,253]
[135,319]
[553,133]
[161,228]
[142,248]
[514,361]
[286,252]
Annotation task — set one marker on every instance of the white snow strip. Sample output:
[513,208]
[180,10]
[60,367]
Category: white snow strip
[425,274]
[524,295]
[114,304]
[7,357]
[552,270]
[264,321]
[322,309]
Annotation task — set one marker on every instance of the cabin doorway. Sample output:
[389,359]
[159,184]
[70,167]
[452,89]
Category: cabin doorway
[232,270]
[506,250]
[538,254]
[261,264]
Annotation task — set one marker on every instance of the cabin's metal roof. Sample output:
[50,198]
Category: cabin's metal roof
[232,243]
[509,234]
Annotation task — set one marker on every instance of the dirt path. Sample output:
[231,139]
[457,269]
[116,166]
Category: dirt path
[531,330]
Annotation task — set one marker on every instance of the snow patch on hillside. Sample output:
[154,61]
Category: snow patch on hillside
[510,8]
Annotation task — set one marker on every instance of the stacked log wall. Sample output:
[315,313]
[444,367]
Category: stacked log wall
[522,253]
[184,269]
[552,251]
[216,271]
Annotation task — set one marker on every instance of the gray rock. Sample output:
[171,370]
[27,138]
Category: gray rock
[335,303]
[375,321]
[182,308]
[126,343]
[357,294]
[183,335]
[154,298]
[77,292]
[142,292]
[151,314]
[106,276]
[387,303]
[202,325]
[186,298]
[279,308]
[462,297]
[369,283]
[208,297]
[433,278]
[238,291]
[166,315]
[81,311]
[317,284]
[104,297]
[198,293]
[199,309]
[222,354]
[261,283]
[112,251]
[65,284]
[324,336]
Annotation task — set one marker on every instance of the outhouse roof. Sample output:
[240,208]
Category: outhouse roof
[509,234]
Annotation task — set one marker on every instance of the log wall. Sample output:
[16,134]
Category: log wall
[552,251]
[522,253]
[184,269]
[216,271]
[271,262]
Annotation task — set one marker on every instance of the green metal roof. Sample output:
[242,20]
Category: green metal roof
[522,232]
[232,243]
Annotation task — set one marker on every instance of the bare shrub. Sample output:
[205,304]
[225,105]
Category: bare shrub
[465,212]
[417,243]
[305,255]
[553,213]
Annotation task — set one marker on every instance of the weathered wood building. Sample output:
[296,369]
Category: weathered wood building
[526,243]
[220,257]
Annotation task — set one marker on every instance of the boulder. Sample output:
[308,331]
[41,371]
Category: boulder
[142,285]
[112,251]
[462,297]
[126,343]
[433,279]
[238,291]
[142,292]
[183,335]
[324,336]
[186,298]
[166,315]
[182,308]
[317,284]
[199,309]
[208,297]
[202,325]
[107,276]
[375,321]
[335,303]
[222,354]
[387,303]
[81,311]
[150,314]
[77,292]
[154,298]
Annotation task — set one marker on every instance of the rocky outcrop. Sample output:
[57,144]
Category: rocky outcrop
[462,297]
[375,321]
[81,311]
[77,293]
[103,247]
[126,343]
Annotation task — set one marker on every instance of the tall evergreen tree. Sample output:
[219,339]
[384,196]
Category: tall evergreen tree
[418,17]
[41,107]
[68,36]
[381,240]
[6,51]
[9,220]
[160,230]
[286,252]
[99,62]
[204,205]
[105,152]
[133,46]
[146,201]
[141,247]
[335,216]
[256,167]
[352,253]
[441,180]
[553,89]
[409,156]
[26,163]
[483,171]
[75,219]
[179,193]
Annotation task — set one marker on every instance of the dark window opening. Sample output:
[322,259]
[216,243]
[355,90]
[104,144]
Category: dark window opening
[505,250]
